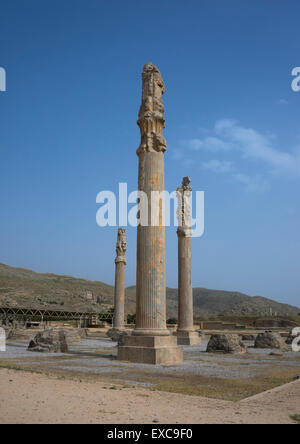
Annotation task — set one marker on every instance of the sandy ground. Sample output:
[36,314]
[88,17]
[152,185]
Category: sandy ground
[27,398]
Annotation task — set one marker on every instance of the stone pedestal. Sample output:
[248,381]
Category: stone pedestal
[157,350]
[188,338]
[151,341]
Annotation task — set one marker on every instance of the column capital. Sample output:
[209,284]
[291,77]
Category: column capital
[151,115]
[184,232]
[121,246]
[120,259]
[184,193]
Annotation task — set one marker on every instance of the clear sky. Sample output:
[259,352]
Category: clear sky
[68,130]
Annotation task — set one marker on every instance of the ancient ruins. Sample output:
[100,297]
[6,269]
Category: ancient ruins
[186,335]
[120,261]
[151,341]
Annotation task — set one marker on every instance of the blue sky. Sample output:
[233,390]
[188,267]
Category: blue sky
[68,131]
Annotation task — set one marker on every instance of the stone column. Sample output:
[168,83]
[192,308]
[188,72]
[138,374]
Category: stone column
[151,341]
[120,262]
[186,335]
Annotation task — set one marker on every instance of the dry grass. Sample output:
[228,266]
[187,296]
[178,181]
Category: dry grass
[226,389]
[233,389]
[295,418]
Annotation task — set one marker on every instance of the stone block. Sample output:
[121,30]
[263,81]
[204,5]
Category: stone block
[157,350]
[188,338]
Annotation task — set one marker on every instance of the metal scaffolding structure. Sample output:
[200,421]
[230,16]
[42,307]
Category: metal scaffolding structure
[26,315]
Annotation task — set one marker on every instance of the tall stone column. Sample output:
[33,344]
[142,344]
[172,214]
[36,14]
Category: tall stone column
[185,334]
[120,262]
[151,341]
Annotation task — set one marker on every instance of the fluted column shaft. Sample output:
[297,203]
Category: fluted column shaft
[185,285]
[151,281]
[151,342]
[120,262]
[119,314]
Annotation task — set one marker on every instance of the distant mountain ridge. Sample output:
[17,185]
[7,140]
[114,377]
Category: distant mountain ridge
[209,303]
[26,288]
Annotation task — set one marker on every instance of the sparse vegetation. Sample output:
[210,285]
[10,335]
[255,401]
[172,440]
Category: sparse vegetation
[131,319]
[233,389]
[172,321]
[295,418]
[20,287]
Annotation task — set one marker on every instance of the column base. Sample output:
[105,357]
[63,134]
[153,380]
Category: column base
[188,338]
[117,329]
[151,332]
[150,350]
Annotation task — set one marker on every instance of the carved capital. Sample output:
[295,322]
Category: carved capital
[121,246]
[184,203]
[120,259]
[184,232]
[186,184]
[151,115]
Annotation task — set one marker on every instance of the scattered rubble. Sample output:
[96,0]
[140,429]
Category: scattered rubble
[49,341]
[226,343]
[270,339]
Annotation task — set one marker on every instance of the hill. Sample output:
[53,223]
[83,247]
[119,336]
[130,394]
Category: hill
[26,288]
[210,303]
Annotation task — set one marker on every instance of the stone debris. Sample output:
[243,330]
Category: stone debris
[277,354]
[226,343]
[118,335]
[56,340]
[49,341]
[269,339]
[248,337]
[16,333]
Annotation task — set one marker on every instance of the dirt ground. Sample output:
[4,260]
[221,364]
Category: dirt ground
[217,376]
[29,398]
